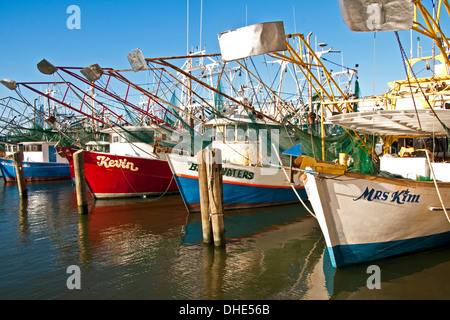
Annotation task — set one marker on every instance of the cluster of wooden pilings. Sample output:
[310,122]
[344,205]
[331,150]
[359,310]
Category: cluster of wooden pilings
[211,195]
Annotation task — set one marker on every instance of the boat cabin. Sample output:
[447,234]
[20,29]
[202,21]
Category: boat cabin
[36,151]
[411,161]
[134,141]
[98,146]
[248,140]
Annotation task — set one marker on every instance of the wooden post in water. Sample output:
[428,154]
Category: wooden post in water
[20,176]
[215,190]
[291,172]
[80,181]
[204,197]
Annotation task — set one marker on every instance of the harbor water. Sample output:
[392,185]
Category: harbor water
[152,249]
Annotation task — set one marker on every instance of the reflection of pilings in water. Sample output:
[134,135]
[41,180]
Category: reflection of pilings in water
[83,238]
[214,259]
[23,216]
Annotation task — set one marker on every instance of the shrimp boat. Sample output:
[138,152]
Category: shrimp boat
[249,180]
[125,167]
[401,209]
[41,162]
[367,217]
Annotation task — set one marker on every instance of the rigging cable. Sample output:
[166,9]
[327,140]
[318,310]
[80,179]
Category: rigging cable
[420,125]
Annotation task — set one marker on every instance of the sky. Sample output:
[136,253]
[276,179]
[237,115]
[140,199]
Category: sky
[109,30]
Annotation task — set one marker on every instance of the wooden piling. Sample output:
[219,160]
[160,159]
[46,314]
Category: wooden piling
[215,191]
[80,181]
[204,197]
[20,176]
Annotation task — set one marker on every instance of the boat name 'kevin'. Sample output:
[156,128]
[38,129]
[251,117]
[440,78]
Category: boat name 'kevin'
[399,196]
[120,163]
[235,173]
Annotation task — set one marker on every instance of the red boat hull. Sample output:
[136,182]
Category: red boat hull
[112,176]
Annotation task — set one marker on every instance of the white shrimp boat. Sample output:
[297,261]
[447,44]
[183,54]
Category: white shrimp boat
[365,217]
[249,181]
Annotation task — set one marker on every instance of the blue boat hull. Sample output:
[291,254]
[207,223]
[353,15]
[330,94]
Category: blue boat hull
[243,186]
[345,255]
[237,196]
[35,171]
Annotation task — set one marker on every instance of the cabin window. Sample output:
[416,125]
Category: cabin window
[252,134]
[220,133]
[230,133]
[14,147]
[32,148]
[241,132]
[115,138]
[140,136]
[209,134]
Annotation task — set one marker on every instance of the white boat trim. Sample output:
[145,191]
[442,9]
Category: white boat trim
[395,122]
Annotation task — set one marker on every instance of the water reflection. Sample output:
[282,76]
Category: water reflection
[214,266]
[421,276]
[24,224]
[126,230]
[272,253]
[84,239]
[152,249]
[159,244]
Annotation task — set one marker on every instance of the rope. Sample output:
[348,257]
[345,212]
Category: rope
[211,191]
[280,161]
[293,188]
[167,189]
[420,125]
[140,194]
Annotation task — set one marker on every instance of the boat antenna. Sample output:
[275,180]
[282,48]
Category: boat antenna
[187,28]
[246,15]
[201,18]
[374,53]
[295,25]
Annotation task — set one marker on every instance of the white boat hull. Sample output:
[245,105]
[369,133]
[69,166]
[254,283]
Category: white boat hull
[365,218]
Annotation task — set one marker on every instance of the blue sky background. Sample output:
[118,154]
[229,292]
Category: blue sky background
[33,30]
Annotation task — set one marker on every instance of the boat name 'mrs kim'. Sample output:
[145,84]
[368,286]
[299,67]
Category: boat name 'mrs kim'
[399,196]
